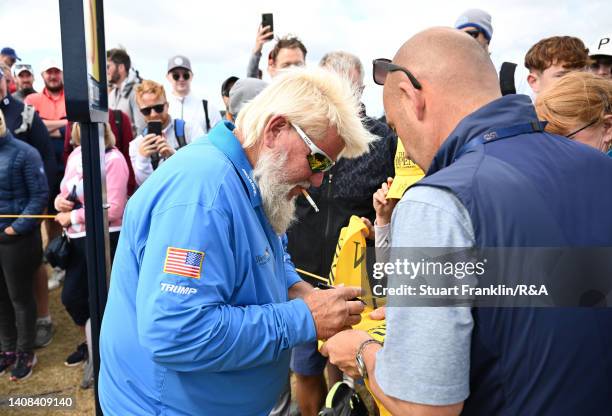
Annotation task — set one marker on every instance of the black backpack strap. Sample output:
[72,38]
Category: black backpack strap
[506,78]
[205,104]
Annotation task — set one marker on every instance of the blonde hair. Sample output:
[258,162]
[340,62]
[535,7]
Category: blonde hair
[315,99]
[149,87]
[2,125]
[577,98]
[109,137]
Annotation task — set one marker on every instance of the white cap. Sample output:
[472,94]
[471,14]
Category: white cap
[20,67]
[49,63]
[603,47]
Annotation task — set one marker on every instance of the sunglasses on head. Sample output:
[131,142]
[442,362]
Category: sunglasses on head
[382,67]
[318,160]
[19,67]
[158,108]
[177,75]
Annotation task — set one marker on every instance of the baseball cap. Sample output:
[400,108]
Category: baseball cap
[19,68]
[227,85]
[179,61]
[10,52]
[476,18]
[603,47]
[243,91]
[49,63]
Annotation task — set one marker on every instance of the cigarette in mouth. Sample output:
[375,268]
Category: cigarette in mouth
[310,200]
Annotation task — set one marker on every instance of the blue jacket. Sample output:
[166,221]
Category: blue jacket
[197,319]
[23,185]
[532,189]
[37,136]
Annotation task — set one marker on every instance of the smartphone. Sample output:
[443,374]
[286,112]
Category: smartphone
[267,20]
[154,127]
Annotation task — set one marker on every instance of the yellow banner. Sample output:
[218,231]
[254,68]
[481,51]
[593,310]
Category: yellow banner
[349,269]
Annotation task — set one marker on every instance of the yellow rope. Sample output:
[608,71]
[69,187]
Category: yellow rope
[311,275]
[49,217]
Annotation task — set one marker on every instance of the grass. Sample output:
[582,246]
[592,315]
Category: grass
[50,376]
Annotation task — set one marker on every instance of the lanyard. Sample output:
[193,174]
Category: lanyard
[499,134]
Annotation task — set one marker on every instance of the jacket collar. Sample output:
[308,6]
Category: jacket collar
[7,138]
[503,112]
[223,138]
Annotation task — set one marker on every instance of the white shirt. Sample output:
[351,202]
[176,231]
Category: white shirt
[191,109]
[142,165]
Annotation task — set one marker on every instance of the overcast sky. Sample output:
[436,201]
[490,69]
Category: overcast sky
[218,36]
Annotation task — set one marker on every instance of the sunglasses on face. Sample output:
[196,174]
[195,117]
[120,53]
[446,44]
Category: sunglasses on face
[158,108]
[177,75]
[318,160]
[382,67]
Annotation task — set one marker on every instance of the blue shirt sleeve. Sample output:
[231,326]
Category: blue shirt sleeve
[292,276]
[196,327]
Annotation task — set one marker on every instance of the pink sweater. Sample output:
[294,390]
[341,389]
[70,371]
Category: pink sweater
[117,175]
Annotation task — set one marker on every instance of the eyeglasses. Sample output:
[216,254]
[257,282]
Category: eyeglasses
[158,108]
[177,75]
[569,136]
[318,160]
[382,67]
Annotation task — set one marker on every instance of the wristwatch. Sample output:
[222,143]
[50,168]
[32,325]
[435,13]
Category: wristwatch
[361,365]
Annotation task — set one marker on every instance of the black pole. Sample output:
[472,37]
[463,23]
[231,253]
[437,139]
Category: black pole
[84,57]
[97,245]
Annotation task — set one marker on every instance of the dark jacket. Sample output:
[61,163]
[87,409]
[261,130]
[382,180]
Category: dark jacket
[526,188]
[23,185]
[346,190]
[37,136]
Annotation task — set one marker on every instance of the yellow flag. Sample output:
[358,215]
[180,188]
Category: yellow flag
[349,268]
[406,173]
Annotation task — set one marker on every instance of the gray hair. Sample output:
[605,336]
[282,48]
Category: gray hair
[342,63]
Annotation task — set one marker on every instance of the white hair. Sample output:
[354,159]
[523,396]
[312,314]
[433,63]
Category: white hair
[314,99]
[271,177]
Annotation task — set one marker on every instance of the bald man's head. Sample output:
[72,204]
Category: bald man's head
[450,60]
[457,77]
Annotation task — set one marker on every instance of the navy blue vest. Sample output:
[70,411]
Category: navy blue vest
[526,188]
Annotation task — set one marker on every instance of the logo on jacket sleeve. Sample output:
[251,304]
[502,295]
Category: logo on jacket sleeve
[183,262]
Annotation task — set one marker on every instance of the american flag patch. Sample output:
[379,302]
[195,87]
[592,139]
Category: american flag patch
[183,262]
